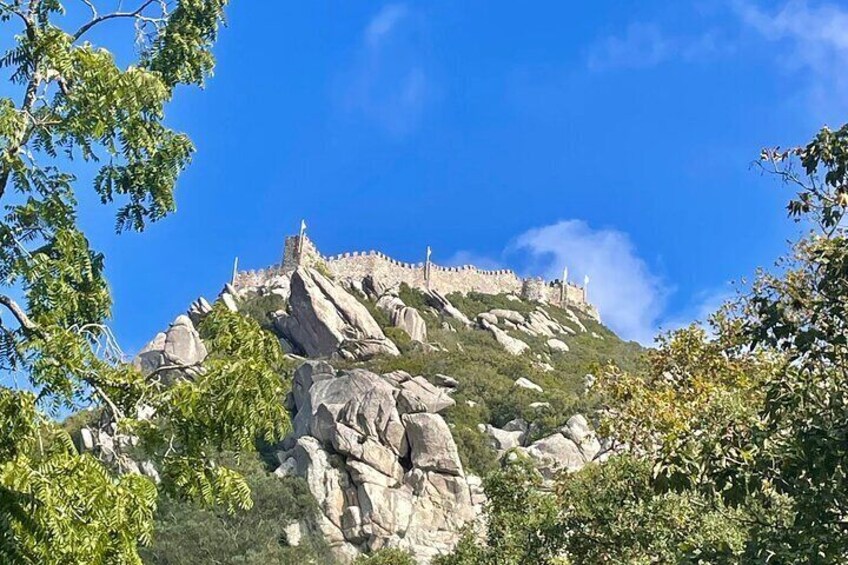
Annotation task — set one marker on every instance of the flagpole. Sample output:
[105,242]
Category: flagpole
[300,238]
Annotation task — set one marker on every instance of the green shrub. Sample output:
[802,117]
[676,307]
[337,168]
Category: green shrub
[188,534]
[475,452]
[260,307]
[400,337]
[475,303]
[413,297]
[389,556]
[322,268]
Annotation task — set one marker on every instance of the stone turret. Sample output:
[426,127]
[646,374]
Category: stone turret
[535,289]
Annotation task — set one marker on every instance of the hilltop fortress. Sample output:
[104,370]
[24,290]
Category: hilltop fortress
[353,267]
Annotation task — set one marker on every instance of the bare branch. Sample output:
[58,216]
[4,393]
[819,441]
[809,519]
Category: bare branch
[19,313]
[163,368]
[91,7]
[99,19]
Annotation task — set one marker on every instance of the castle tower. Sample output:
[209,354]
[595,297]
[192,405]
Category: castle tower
[291,253]
[534,289]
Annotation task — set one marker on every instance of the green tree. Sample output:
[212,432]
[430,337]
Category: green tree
[735,439]
[612,513]
[75,102]
[756,415]
[522,522]
[187,533]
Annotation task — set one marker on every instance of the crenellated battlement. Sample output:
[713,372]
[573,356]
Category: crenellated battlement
[299,250]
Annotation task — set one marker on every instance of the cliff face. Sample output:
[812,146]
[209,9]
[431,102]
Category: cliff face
[420,394]
[403,398]
[380,461]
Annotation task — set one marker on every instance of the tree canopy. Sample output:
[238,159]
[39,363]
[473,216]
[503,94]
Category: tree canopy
[76,106]
[730,443]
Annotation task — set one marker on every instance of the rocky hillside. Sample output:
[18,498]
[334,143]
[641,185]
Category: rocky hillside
[401,401]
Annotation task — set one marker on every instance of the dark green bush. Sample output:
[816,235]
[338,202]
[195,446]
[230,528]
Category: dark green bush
[260,307]
[390,556]
[400,338]
[187,534]
[413,297]
[475,303]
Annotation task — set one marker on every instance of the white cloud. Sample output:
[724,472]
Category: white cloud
[630,297]
[645,45]
[815,41]
[388,83]
[384,22]
[822,30]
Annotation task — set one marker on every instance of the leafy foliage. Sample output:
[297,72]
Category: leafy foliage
[260,307]
[735,438]
[611,513]
[187,533]
[755,416]
[77,103]
[388,556]
[606,513]
[235,399]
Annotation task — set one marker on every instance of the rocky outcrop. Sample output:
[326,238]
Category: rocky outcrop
[324,320]
[372,287]
[502,440]
[380,461]
[524,382]
[557,345]
[536,323]
[228,298]
[570,449]
[431,444]
[173,352]
[104,440]
[410,320]
[198,310]
[404,317]
[442,305]
[512,345]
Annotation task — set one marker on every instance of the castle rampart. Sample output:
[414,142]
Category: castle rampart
[354,266]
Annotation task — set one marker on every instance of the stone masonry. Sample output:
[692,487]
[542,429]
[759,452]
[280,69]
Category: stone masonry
[300,250]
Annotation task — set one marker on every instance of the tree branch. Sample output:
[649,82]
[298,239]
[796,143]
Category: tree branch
[91,7]
[164,368]
[19,313]
[116,412]
[14,10]
[135,13]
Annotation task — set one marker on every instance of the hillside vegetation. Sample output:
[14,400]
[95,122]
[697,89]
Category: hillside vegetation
[486,372]
[189,533]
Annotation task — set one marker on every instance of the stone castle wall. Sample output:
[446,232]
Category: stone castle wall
[357,265]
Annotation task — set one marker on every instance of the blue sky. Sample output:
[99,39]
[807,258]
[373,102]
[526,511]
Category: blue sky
[612,137]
